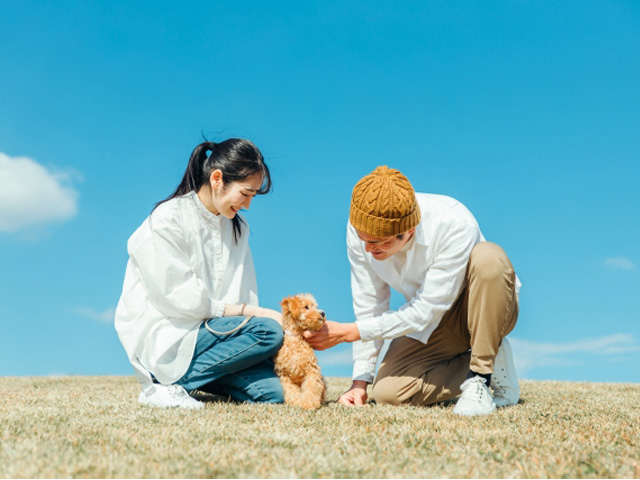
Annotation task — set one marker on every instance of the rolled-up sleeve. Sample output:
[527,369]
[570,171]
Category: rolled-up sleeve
[171,284]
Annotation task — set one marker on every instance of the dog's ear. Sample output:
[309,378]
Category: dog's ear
[285,304]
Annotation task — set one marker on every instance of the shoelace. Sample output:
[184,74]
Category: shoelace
[176,391]
[474,387]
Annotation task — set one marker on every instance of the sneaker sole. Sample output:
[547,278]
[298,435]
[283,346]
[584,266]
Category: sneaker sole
[474,414]
[148,403]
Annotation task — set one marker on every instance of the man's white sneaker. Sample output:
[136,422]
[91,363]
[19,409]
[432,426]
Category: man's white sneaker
[504,380]
[168,396]
[475,399]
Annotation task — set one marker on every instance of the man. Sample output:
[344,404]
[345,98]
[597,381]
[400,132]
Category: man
[461,301]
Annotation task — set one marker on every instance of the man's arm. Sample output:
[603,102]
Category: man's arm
[371,296]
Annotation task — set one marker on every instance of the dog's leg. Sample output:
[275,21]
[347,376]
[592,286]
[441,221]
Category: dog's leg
[292,393]
[312,389]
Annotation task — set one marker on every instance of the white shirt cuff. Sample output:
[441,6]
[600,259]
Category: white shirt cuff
[217,308]
[363,370]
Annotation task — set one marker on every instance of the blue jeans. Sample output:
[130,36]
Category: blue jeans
[240,364]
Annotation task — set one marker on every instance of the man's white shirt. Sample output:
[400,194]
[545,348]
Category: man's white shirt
[430,277]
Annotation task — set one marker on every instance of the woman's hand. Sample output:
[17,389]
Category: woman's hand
[356,396]
[255,311]
[252,311]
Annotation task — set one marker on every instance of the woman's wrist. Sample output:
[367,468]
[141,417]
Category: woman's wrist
[252,311]
[244,310]
[231,310]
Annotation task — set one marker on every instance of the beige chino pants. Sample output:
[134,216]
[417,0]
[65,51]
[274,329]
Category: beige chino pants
[468,337]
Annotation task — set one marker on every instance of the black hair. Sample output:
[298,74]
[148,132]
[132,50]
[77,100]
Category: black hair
[236,158]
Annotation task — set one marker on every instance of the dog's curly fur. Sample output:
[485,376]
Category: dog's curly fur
[296,363]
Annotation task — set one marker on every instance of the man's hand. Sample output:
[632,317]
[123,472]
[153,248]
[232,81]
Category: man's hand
[356,396]
[331,334]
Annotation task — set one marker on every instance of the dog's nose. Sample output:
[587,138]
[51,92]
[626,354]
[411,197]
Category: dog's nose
[321,313]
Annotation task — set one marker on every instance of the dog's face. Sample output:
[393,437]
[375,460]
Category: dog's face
[300,312]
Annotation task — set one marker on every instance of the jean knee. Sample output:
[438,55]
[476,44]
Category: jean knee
[270,333]
[273,392]
[266,389]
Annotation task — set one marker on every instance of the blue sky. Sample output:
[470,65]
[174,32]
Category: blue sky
[527,112]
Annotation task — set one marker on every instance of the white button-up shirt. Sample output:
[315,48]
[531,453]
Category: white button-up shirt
[430,279]
[184,267]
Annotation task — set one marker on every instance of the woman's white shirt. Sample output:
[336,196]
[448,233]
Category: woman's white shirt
[184,267]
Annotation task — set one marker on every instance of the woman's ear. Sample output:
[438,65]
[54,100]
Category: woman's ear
[215,179]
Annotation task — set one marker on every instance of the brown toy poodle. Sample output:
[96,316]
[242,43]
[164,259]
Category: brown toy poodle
[296,363]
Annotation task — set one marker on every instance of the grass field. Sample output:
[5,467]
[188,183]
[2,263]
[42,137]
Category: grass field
[93,427]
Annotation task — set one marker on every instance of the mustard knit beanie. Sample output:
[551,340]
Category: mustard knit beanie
[384,204]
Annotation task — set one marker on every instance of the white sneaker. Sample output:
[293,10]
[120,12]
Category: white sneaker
[504,380]
[475,399]
[168,396]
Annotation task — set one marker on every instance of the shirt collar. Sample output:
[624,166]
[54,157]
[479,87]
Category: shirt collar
[409,245]
[420,235]
[202,210]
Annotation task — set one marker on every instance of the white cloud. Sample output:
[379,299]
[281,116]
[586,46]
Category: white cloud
[529,355]
[105,316]
[619,263]
[32,195]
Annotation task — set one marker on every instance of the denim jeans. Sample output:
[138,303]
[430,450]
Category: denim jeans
[240,364]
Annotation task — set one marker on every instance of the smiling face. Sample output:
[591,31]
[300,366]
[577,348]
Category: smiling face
[383,248]
[228,198]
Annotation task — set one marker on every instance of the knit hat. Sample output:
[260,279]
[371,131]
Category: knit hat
[384,204]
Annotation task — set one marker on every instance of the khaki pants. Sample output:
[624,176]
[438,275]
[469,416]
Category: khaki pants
[468,337]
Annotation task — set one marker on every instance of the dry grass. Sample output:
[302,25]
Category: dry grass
[93,427]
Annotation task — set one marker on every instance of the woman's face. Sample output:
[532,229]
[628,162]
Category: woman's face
[229,198]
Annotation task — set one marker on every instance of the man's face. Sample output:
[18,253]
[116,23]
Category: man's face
[383,248]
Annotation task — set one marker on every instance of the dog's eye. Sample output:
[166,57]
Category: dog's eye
[306,307]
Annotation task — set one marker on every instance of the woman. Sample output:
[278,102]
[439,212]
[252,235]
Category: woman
[190,283]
